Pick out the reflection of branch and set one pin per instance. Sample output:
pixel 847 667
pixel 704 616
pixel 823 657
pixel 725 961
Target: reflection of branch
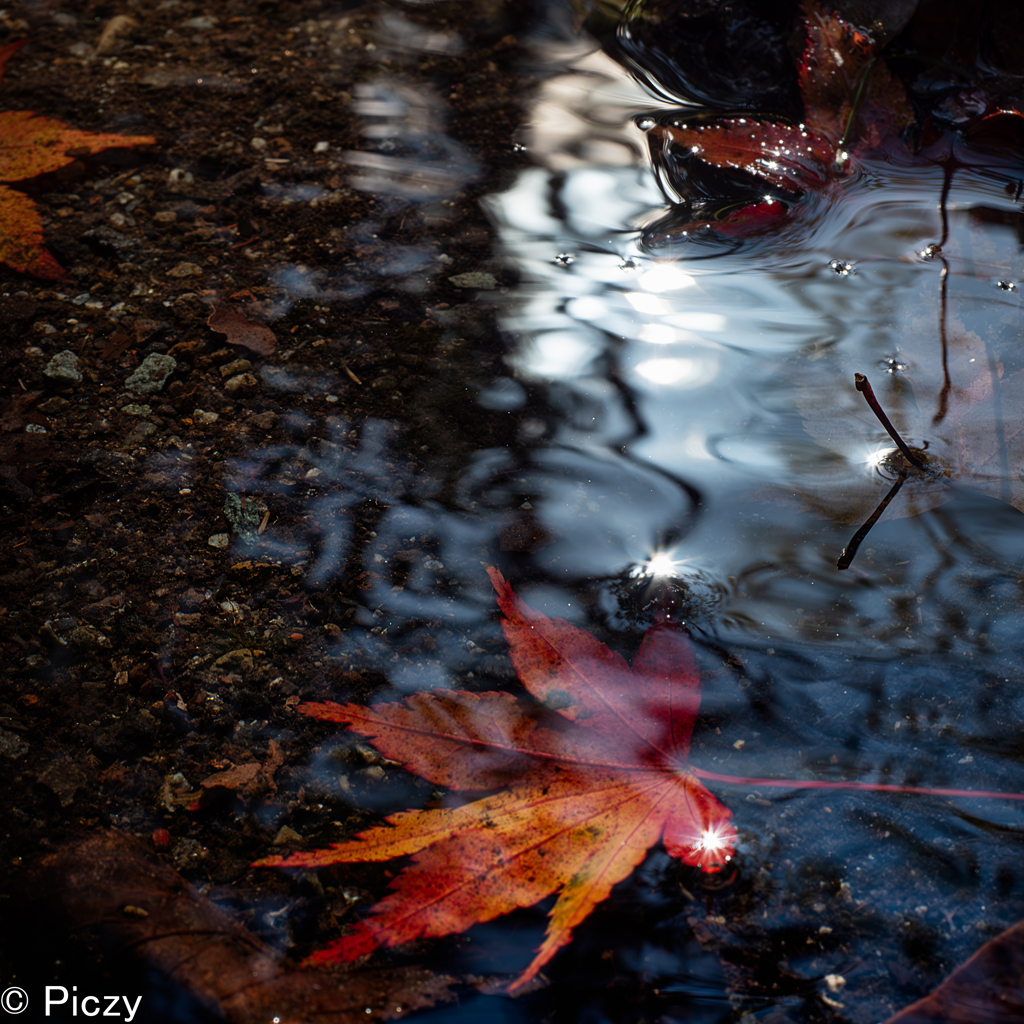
pixel 850 551
pixel 947 384
pixel 863 385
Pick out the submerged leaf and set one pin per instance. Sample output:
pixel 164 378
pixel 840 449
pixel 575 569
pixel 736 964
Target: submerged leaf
pixel 853 105
pixel 590 778
pixel 788 157
pixel 986 989
pixel 110 885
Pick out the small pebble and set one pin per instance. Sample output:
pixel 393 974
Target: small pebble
pixel 238 366
pixel 285 834
pixel 53 406
pixel 219 540
pixel 152 373
pixel 63 368
pixel 475 279
pixel 241 384
pixel 185 270
pixel 264 420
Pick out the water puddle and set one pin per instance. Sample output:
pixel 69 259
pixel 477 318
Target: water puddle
pixel 611 418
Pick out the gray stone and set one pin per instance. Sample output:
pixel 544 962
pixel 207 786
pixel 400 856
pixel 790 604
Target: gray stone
pixel 152 373
pixel 241 384
pixel 63 368
pixel 139 434
pixel 12 745
pixel 245 516
pixel 53 406
pixel 475 279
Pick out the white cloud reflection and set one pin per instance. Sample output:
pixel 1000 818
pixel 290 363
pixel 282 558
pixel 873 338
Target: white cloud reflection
pixel 665 277
pixel 679 372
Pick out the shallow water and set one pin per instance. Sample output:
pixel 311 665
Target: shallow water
pixel 696 408
pixel 702 412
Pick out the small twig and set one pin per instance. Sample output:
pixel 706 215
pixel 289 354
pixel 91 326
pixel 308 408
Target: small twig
pixel 848 129
pixel 864 387
pixel 850 551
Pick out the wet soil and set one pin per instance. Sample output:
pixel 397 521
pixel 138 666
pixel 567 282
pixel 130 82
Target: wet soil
pixel 170 578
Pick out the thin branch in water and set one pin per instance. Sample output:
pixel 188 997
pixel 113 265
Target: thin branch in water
pixel 850 551
pixel 863 385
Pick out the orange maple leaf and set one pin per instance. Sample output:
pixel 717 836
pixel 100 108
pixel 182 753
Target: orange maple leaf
pixel 29 146
pixel 586 781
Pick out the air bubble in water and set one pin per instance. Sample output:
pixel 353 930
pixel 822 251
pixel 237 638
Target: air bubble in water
pixel 645 124
pixel 930 252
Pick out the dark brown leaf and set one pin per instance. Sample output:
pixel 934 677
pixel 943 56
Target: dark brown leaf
pixel 256 337
pixel 788 157
pixel 987 989
pixel 210 955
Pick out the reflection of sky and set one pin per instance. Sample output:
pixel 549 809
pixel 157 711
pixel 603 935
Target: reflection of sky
pixel 732 373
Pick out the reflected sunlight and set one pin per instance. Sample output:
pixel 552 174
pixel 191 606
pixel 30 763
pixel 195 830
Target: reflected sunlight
pixel 714 840
pixel 644 303
pixel 666 277
pixel 873 457
pixel 679 372
pixel 661 334
pixel 659 564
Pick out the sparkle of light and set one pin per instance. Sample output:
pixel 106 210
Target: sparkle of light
pixel 874 457
pixel 660 563
pixel 712 840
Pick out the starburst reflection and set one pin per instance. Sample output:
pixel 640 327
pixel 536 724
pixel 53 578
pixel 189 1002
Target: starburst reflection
pixel 714 840
pixel 872 457
pixel 659 564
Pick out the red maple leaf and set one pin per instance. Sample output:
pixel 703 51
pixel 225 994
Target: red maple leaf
pixel 29 146
pixel 586 778
pixel 853 105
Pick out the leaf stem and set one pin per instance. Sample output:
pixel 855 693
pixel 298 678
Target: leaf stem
pixel 863 385
pixel 878 787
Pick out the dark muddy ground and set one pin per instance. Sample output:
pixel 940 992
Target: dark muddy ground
pixel 143 660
